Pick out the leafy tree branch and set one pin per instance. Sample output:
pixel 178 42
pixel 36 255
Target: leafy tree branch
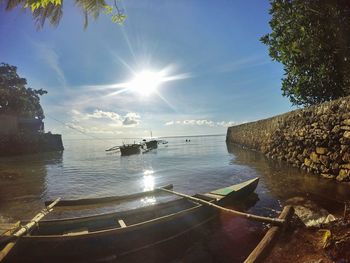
pixel 311 38
pixel 52 10
pixel 15 97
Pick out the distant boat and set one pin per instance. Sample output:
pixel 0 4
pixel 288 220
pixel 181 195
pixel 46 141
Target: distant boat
pixel 129 149
pixel 152 144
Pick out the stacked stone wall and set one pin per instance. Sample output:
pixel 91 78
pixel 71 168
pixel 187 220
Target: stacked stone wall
pixel 316 139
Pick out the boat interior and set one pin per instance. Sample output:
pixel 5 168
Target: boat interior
pixel 84 225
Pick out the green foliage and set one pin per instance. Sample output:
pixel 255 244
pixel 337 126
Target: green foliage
pixel 311 38
pixel 51 10
pixel 34 5
pixel 15 97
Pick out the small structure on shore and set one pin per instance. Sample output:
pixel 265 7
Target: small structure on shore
pixel 19 135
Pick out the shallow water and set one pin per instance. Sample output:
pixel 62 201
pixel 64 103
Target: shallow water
pixel 205 163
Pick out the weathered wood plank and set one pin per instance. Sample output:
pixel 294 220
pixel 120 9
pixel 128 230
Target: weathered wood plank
pixel 264 247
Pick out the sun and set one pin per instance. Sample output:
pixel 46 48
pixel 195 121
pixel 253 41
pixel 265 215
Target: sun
pixel 146 82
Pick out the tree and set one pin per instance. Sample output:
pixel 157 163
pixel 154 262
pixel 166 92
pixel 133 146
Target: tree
pixel 51 10
pixel 15 97
pixel 311 38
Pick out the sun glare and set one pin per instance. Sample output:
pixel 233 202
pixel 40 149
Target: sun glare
pixel 148 180
pixel 146 82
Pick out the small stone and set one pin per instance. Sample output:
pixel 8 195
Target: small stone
pixel 336 157
pixel 344 147
pixel 344 175
pixel 346 134
pixel 346 157
pixel 307 162
pixel 328 176
pixel 345 166
pixel 336 129
pixel 346 128
pixel 346 122
pixel 314 157
pixel 300 157
pixel 321 150
pixel 324 159
pixel 344 140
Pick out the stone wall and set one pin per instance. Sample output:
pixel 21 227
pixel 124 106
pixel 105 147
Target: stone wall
pixel 30 143
pixel 316 139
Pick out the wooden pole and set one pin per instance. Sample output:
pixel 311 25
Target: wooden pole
pixel 273 221
pixel 26 228
pixel 265 245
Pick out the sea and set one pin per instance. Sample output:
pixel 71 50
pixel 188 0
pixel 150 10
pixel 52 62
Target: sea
pixel 193 164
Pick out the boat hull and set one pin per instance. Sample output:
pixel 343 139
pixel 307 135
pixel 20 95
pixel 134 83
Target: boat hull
pixel 152 144
pixel 97 237
pixel 113 244
pixel 126 150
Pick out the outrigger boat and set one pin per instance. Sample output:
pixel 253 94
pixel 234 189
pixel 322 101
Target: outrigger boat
pixel 129 149
pixel 152 144
pixel 101 200
pixel 120 233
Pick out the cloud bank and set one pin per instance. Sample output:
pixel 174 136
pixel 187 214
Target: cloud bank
pixel 201 122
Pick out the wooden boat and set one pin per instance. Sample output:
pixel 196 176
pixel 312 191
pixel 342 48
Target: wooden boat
pixel 120 233
pixel 153 144
pixel 129 149
pixel 101 200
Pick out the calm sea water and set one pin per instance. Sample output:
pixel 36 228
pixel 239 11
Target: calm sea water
pixel 205 163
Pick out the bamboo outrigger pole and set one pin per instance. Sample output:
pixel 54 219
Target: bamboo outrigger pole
pixel 24 229
pixel 264 247
pixel 273 221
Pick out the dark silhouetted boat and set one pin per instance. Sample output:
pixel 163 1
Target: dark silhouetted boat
pixel 119 234
pixel 153 144
pixel 129 149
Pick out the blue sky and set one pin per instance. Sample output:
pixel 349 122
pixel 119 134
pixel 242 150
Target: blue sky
pixel 220 73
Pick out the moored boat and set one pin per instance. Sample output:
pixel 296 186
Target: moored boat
pixel 129 149
pixel 120 233
pixel 101 200
pixel 153 144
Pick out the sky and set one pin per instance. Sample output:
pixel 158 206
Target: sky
pixel 184 67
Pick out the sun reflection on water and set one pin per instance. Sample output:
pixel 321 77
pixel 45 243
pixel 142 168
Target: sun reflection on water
pixel 149 200
pixel 148 181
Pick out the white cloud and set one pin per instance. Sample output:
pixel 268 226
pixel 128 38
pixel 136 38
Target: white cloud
pixel 75 126
pixel 100 118
pixel 92 129
pixel 201 122
pixel 131 119
pixel 226 124
pixel 169 123
pixel 99 114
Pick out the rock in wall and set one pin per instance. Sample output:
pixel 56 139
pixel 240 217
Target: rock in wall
pixel 316 138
